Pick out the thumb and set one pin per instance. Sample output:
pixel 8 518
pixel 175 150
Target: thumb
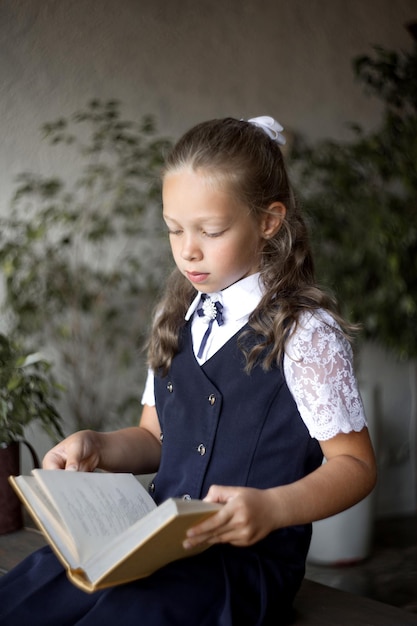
pixel 71 466
pixel 73 455
pixel 218 493
pixel 54 460
pixel 65 455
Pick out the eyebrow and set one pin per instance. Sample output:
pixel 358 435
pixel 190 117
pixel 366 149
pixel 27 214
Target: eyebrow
pixel 204 220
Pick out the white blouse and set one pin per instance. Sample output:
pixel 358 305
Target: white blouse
pixel 318 363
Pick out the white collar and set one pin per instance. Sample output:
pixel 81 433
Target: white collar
pixel 239 300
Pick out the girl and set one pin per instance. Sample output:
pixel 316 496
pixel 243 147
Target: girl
pixel 251 383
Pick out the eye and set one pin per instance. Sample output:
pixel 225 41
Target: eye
pixel 212 235
pixel 172 231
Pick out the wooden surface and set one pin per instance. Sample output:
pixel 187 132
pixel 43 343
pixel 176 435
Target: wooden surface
pixel 14 547
pixel 319 605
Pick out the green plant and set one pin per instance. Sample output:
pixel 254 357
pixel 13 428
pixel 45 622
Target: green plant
pixel 27 393
pixel 83 257
pixel 361 198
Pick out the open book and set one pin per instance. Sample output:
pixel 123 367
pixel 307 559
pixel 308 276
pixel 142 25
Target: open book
pixel 105 528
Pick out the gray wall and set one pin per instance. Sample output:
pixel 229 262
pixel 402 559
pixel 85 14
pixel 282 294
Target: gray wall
pixel 185 61
pixel 190 60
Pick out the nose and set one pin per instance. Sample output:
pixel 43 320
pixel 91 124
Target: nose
pixel 190 250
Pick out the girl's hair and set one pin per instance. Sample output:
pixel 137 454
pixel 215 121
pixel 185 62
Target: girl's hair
pixel 245 161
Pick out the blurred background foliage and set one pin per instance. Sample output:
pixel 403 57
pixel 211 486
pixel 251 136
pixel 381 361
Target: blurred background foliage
pixel 83 257
pixel 361 200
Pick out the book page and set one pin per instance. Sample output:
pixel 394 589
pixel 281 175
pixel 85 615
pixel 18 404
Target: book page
pixel 95 506
pixel 45 514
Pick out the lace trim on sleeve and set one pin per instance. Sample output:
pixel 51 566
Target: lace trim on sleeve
pixel 318 368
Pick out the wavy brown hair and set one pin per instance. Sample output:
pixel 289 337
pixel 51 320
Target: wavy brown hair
pixel 250 165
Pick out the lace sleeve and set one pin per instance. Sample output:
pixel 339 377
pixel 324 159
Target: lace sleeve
pixel 319 372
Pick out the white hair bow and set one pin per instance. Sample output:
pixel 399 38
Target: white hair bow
pixel 270 126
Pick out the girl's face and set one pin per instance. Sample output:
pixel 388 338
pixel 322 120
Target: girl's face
pixel 214 239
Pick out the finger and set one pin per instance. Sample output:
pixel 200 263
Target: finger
pixel 78 457
pixel 206 531
pixel 218 493
pixel 72 465
pixel 211 525
pixel 53 460
pixel 227 537
pixel 66 455
pixel 224 536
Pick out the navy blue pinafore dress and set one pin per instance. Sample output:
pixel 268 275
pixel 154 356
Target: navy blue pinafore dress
pixel 218 426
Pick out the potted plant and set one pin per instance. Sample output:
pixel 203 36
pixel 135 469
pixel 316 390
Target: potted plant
pixel 361 199
pixel 83 255
pixel 27 394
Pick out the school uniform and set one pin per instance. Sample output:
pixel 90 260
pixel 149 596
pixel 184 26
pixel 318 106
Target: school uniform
pixel 218 426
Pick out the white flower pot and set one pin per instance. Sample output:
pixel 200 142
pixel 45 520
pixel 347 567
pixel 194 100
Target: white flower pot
pixel 346 538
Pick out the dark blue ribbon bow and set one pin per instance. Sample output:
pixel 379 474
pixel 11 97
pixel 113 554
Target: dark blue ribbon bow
pixel 211 313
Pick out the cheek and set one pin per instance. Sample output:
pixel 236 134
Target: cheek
pixel 251 245
pixel 237 256
pixel 173 243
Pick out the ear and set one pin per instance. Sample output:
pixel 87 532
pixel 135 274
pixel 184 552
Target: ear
pixel 272 219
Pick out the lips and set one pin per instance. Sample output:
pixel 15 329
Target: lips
pixel 196 277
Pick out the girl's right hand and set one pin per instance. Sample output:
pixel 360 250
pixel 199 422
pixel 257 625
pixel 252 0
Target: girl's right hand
pixel 135 449
pixel 78 452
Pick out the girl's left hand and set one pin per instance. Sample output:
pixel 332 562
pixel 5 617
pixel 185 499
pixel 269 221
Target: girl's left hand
pixel 244 519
